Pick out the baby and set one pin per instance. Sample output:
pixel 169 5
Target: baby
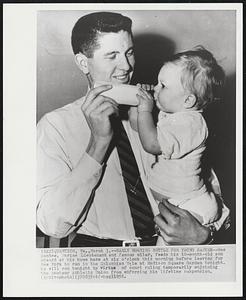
pixel 187 83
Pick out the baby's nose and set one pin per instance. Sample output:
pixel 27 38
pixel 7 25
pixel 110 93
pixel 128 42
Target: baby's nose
pixel 156 88
pixel 156 91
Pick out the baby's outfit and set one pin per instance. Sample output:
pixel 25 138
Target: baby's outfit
pixel 177 172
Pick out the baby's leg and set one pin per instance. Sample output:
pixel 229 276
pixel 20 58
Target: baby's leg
pixel 204 208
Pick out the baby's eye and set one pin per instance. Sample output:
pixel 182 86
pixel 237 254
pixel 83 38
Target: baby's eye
pixel 162 85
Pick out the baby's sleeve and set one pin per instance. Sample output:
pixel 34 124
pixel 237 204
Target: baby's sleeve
pixel 181 135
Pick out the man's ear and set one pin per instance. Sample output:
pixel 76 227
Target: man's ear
pixel 82 62
pixel 190 101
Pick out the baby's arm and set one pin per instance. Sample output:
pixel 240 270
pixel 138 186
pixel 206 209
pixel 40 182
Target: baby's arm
pixel 133 111
pixel 133 117
pixel 146 127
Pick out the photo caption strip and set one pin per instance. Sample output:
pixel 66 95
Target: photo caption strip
pixel 139 264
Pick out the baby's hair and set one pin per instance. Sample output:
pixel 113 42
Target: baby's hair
pixel 201 74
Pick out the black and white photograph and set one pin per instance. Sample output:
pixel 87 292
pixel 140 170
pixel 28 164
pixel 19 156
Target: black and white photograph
pixel 88 179
pixel 135 149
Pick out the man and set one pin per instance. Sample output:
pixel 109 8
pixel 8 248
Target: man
pixel 83 182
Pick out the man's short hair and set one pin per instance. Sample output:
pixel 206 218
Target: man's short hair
pixel 87 29
pixel 201 74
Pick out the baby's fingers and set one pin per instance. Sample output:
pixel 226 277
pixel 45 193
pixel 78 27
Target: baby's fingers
pixel 141 99
pixel 145 94
pixel 146 86
pixel 141 96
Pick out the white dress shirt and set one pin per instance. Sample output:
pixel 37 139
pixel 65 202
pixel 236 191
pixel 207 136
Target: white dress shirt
pixel 66 175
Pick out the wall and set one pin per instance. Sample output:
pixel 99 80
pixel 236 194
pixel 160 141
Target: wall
pixel 157 34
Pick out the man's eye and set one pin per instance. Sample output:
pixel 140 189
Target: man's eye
pixel 112 56
pixel 162 85
pixel 130 53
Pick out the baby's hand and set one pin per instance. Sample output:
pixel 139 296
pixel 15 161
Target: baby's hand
pixel 146 86
pixel 145 101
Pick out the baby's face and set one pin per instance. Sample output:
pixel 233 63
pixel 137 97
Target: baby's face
pixel 169 93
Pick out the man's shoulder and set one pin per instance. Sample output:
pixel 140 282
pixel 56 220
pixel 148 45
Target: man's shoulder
pixel 66 114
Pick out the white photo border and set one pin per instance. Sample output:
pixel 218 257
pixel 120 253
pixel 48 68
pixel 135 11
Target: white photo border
pixel 21 258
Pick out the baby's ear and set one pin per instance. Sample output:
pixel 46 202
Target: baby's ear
pixel 190 101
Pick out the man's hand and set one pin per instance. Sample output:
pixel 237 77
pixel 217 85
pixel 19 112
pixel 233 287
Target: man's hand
pixel 178 227
pixel 97 109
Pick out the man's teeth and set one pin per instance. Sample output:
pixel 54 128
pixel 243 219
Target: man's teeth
pixel 121 77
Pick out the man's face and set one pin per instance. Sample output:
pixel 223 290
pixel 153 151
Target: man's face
pixel 114 60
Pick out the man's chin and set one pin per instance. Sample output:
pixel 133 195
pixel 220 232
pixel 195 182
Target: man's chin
pixel 127 81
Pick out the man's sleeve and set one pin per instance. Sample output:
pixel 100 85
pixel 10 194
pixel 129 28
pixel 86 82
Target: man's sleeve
pixel 62 190
pixel 224 231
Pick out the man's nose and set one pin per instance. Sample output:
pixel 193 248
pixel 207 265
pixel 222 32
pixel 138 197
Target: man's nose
pixel 124 64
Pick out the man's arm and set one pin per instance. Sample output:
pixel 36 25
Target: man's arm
pixel 63 191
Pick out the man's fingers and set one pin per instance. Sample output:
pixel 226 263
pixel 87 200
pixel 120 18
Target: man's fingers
pixel 166 238
pixel 109 111
pixel 96 102
pixel 93 93
pixel 170 216
pixel 164 229
pixel 174 209
pixel 160 221
pixel 98 90
pixel 102 107
pixel 100 100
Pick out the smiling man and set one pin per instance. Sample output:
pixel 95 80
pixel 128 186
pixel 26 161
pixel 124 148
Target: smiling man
pixel 90 177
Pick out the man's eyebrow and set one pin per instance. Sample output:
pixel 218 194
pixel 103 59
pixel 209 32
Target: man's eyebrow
pixel 130 49
pixel 116 52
